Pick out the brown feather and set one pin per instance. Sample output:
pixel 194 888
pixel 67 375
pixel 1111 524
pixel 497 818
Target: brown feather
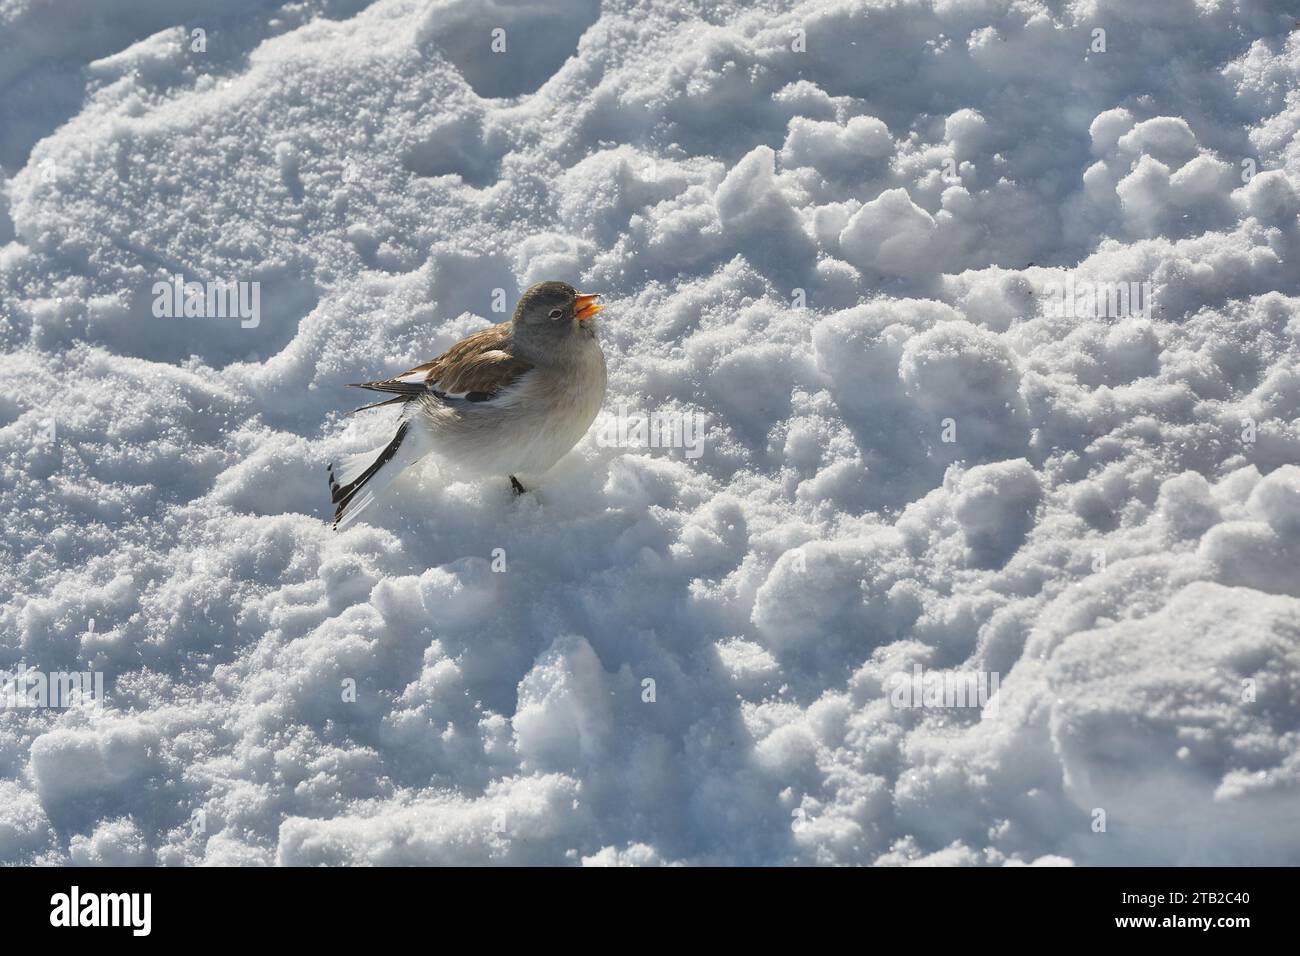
pixel 483 363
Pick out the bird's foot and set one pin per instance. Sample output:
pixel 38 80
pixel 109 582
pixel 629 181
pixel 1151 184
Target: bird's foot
pixel 514 483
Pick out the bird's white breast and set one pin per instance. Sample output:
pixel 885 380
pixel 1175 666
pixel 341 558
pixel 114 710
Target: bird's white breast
pixel 529 430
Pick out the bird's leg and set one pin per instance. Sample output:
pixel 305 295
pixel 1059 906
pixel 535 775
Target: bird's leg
pixel 514 483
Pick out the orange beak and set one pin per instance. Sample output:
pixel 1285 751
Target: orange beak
pixel 586 306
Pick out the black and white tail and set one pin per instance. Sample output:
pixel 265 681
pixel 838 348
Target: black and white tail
pixel 359 479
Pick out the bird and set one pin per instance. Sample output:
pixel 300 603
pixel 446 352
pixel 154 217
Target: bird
pixel 509 400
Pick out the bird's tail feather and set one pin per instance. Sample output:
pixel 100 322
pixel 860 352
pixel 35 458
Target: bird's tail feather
pixel 389 401
pixel 358 480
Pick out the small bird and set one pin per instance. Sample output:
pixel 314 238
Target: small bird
pixel 509 400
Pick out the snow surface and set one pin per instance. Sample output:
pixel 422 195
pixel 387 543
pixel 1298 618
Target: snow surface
pixel 826 228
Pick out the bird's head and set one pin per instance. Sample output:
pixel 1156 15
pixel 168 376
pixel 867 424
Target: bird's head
pixel 554 312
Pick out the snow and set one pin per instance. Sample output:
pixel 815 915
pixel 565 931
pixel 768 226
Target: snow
pixel 829 232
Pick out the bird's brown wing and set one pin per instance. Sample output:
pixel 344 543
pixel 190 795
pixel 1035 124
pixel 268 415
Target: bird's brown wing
pixel 476 369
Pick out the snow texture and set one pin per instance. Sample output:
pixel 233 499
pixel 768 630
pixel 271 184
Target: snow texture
pixel 829 229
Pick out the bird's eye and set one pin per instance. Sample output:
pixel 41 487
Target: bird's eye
pixel 556 313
